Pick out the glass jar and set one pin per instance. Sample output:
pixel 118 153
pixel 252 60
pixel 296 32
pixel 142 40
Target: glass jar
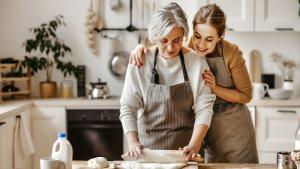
pixel 66 89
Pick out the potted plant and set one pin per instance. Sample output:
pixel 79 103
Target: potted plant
pixel 287 70
pixel 46 51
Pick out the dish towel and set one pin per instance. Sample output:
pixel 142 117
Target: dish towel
pixel 23 144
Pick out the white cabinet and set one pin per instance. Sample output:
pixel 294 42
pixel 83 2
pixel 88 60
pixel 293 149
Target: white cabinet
pixel 46 123
pixel 7 131
pixel 275 131
pixel 260 15
pixel 6 142
pixel 276 15
pixel 239 13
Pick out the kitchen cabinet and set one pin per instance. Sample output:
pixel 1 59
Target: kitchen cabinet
pixel 47 122
pixel 6 142
pixel 275 131
pixel 7 130
pixel 277 15
pixel 239 13
pixel 260 15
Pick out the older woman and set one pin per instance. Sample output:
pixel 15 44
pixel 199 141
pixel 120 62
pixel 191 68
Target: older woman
pixel 177 105
pixel 231 136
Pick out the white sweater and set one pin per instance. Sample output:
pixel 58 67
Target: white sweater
pixel 170 72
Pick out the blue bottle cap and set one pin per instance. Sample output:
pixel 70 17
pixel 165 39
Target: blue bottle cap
pixel 62 135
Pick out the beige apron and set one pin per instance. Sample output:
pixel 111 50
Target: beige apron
pixel 168 118
pixel 231 136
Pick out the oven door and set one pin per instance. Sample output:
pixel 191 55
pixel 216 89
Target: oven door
pixel 95 138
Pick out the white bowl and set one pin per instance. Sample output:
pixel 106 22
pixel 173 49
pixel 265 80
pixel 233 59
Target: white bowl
pixel 280 93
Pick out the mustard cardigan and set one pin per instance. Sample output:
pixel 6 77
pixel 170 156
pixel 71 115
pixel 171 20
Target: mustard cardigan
pixel 235 65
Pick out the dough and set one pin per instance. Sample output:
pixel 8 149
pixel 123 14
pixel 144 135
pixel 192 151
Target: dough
pixel 98 163
pixel 135 165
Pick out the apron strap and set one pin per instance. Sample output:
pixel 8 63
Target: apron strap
pixel 185 75
pixel 155 76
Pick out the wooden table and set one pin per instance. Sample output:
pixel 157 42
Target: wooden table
pixel 209 166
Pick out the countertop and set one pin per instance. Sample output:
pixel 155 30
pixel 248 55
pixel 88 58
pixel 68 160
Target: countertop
pixel 9 108
pixel 212 165
pixel 271 102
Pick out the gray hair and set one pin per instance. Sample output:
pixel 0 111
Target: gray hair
pixel 163 21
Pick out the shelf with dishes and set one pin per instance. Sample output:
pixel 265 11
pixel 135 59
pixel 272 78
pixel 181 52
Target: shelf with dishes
pixel 10 77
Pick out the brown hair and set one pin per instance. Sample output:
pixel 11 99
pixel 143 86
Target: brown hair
pixel 213 15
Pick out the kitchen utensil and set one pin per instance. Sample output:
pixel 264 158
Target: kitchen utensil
pixel 259 90
pixel 99 23
pixel 114 4
pixel 255 66
pixel 98 89
pixel 49 163
pixel 280 93
pixel 162 156
pixel 119 63
pixel 284 160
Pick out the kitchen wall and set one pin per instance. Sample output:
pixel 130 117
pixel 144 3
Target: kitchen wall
pixel 16 17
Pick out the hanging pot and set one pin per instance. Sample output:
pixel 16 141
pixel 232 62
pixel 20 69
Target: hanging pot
pixel 119 63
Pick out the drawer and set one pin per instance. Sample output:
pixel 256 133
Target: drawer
pixel 276 128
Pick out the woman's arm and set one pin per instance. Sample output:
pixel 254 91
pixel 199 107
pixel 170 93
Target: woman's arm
pixel 242 93
pixel 137 55
pixel 195 143
pixel 131 100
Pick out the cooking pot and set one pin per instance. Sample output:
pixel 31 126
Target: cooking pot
pixel 119 63
pixel 98 90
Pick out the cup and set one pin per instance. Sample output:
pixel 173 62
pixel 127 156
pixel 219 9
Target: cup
pixel 259 90
pixel 49 163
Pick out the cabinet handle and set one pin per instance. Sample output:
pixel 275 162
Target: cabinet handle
pixel 229 29
pixel 286 111
pixel 2 123
pixel 284 29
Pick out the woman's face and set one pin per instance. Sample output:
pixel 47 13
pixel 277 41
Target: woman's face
pixel 205 38
pixel 170 45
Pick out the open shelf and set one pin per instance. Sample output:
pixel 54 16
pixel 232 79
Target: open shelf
pixel 24 92
pixel 9 79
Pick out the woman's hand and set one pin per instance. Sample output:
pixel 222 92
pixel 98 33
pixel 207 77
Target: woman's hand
pixel 210 79
pixel 137 55
pixel 190 152
pixel 135 149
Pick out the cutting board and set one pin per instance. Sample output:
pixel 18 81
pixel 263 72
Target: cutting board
pixel 255 66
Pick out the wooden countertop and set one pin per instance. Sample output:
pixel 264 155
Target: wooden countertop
pixel 211 165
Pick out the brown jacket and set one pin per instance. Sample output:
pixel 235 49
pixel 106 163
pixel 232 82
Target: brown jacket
pixel 238 72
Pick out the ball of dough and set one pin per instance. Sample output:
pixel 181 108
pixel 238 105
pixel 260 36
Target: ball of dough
pixel 98 162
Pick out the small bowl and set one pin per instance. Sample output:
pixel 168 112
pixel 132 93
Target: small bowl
pixel 280 93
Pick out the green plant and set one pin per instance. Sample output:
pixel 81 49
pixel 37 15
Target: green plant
pixel 46 50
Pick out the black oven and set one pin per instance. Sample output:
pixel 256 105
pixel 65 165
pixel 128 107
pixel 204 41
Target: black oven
pixel 95 133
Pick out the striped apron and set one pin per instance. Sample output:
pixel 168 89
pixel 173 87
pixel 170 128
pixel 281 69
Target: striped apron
pixel 168 118
pixel 231 136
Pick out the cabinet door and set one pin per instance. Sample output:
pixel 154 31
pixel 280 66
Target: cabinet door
pixel 6 143
pixel 276 128
pixel 240 14
pixel 275 131
pixel 276 15
pixel 46 123
pixel 2 135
